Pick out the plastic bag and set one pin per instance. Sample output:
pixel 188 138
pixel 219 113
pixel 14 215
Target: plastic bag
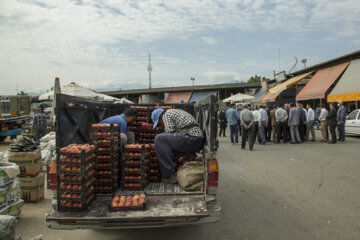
pixel 46 155
pixel 48 137
pixel 7 227
pixel 51 145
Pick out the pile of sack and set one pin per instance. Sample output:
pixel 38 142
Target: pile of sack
pixel 10 202
pixel 48 147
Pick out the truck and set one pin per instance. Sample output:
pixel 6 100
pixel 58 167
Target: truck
pixel 169 204
pixel 14 114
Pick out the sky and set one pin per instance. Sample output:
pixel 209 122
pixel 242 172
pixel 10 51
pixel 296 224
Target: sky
pixel 104 45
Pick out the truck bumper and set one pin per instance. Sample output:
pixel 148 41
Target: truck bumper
pixel 214 210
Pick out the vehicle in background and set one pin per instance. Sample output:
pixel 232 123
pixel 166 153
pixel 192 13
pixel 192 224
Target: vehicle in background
pixel 352 123
pixel 14 114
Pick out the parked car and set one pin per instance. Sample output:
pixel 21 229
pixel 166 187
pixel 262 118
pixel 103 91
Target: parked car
pixel 352 124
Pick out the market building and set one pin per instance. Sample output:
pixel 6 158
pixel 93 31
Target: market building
pixel 330 81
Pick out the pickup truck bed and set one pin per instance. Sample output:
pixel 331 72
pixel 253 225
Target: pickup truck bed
pixel 168 204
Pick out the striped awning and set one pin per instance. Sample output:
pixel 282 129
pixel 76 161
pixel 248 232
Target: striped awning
pixel 348 87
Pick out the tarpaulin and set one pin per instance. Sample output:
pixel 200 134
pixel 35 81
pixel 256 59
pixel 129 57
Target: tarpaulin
pixel 320 83
pixel 288 83
pixel 179 97
pixel 197 96
pixel 348 87
pixel 259 96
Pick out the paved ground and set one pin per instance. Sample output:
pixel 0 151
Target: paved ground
pixel 306 191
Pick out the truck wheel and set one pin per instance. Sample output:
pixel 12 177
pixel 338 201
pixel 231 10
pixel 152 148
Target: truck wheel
pixel 2 138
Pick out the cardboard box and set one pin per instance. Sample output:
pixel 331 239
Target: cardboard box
pixel 28 162
pixel 32 188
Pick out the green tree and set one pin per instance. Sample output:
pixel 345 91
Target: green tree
pixel 257 78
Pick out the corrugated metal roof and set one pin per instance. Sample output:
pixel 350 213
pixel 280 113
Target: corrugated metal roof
pixel 178 97
pixel 323 79
pixel 348 87
pixel 197 96
pixel 185 88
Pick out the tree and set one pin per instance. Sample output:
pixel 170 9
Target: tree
pixel 257 78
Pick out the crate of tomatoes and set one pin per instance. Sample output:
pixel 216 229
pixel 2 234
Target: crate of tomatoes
pixel 128 202
pixel 76 177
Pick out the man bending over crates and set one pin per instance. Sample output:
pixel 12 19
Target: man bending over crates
pixel 128 116
pixel 182 135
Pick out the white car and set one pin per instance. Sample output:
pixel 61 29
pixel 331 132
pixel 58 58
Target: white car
pixel 352 123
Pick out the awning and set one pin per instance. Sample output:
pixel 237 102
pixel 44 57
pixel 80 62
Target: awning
pixel 348 87
pixel 270 97
pixel 259 96
pixel 323 79
pixel 288 83
pixel 286 96
pixel 239 97
pixel 197 96
pixel 179 97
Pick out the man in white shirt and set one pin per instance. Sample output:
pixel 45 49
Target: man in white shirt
pixel 256 124
pixel 281 124
pixel 310 123
pixel 322 119
pixel 263 121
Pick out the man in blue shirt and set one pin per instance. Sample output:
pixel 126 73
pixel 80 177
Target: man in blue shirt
pixel 232 118
pixel 128 116
pixel 341 117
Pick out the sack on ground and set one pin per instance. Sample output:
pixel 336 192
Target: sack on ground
pixel 191 176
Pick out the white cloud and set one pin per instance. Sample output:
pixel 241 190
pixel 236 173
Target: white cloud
pixel 97 41
pixel 209 40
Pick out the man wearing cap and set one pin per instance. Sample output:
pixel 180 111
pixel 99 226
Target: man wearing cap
pixel 128 116
pixel 182 135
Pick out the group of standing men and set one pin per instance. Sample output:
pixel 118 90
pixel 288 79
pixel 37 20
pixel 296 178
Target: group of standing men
pixel 289 123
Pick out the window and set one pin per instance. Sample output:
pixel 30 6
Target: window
pixel 358 117
pixel 352 116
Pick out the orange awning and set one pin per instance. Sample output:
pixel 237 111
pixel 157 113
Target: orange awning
pixel 177 98
pixel 270 97
pixel 323 79
pixel 348 87
pixel 288 83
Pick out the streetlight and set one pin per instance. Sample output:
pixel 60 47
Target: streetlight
pixel 193 80
pixel 304 62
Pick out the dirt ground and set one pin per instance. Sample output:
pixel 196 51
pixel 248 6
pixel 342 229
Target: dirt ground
pixel 305 191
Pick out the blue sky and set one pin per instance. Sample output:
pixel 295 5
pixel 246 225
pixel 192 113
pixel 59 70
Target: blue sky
pixel 104 45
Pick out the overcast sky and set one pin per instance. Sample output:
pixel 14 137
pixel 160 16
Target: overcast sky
pixel 104 45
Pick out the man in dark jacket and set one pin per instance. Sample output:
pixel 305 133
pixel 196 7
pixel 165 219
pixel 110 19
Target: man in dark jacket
pixel 222 122
pixel 332 122
pixel 302 122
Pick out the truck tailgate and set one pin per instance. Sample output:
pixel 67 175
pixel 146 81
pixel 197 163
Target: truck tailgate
pixel 161 210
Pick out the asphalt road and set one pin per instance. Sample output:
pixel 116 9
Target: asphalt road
pixel 305 191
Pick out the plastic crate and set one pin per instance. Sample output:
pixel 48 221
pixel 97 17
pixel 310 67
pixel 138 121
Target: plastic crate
pixel 141 207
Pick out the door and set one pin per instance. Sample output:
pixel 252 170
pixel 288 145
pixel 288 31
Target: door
pixel 350 122
pixel 357 124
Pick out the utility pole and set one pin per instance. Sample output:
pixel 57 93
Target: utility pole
pixel 149 68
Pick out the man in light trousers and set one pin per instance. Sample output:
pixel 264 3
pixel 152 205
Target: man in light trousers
pixel 294 124
pixel 310 123
pixel 263 121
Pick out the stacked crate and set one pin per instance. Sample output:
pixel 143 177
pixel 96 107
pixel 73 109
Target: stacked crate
pixel 76 177
pixel 154 166
pixel 107 139
pixel 135 167
pixel 147 133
